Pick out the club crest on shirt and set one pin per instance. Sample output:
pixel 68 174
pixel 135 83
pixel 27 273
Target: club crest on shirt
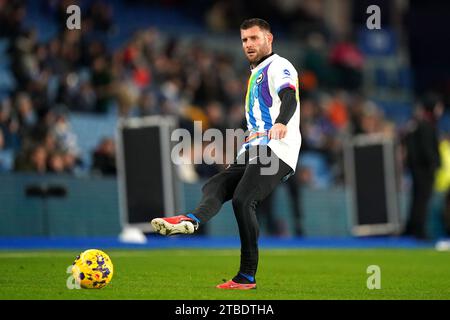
pixel 260 78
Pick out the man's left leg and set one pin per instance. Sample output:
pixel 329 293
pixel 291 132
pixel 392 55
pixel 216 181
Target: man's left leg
pixel 252 189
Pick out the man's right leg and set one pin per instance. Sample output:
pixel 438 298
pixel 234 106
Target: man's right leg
pixel 216 191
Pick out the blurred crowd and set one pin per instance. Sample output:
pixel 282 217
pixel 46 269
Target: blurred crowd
pixel 51 82
pixel 155 74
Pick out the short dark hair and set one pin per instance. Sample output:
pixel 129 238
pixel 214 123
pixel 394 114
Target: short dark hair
pixel 249 23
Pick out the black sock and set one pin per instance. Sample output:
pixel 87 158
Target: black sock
pixel 244 278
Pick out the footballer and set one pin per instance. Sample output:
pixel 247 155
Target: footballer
pixel 272 111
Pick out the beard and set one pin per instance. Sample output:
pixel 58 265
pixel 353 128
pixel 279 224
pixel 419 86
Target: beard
pixel 257 55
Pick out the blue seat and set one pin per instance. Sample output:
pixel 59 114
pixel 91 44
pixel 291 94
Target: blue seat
pixel 6 160
pixel 405 78
pixel 4 44
pixel 316 162
pixel 7 81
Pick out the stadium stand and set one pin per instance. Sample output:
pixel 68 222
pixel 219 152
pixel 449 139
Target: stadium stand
pixel 66 90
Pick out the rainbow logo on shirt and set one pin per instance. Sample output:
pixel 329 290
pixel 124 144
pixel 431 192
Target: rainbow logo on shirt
pixel 258 89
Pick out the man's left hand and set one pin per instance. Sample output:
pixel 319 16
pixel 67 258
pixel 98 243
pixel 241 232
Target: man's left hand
pixel 278 131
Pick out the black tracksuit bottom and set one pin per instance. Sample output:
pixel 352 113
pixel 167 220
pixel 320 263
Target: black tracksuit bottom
pixel 246 184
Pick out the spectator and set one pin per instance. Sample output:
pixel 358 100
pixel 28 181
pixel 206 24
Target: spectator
pixel 442 183
pixel 85 100
pixel 12 14
pixel 347 62
pixel 56 163
pixel 216 117
pixel 104 158
pixel 66 139
pixel 9 126
pixel 26 114
pixel 148 104
pixel 34 161
pixel 423 160
pixel 71 162
pixel 101 13
pixel 336 111
pixel 101 81
pixel 315 63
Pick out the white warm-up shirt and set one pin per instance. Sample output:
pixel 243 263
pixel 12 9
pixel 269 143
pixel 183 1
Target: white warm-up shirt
pixel 262 107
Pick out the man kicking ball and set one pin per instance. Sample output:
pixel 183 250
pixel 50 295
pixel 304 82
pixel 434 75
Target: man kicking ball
pixel 272 111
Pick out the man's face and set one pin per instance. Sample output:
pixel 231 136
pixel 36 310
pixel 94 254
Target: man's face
pixel 256 43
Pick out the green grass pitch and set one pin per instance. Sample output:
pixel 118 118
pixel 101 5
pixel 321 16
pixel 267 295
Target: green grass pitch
pixel 192 274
